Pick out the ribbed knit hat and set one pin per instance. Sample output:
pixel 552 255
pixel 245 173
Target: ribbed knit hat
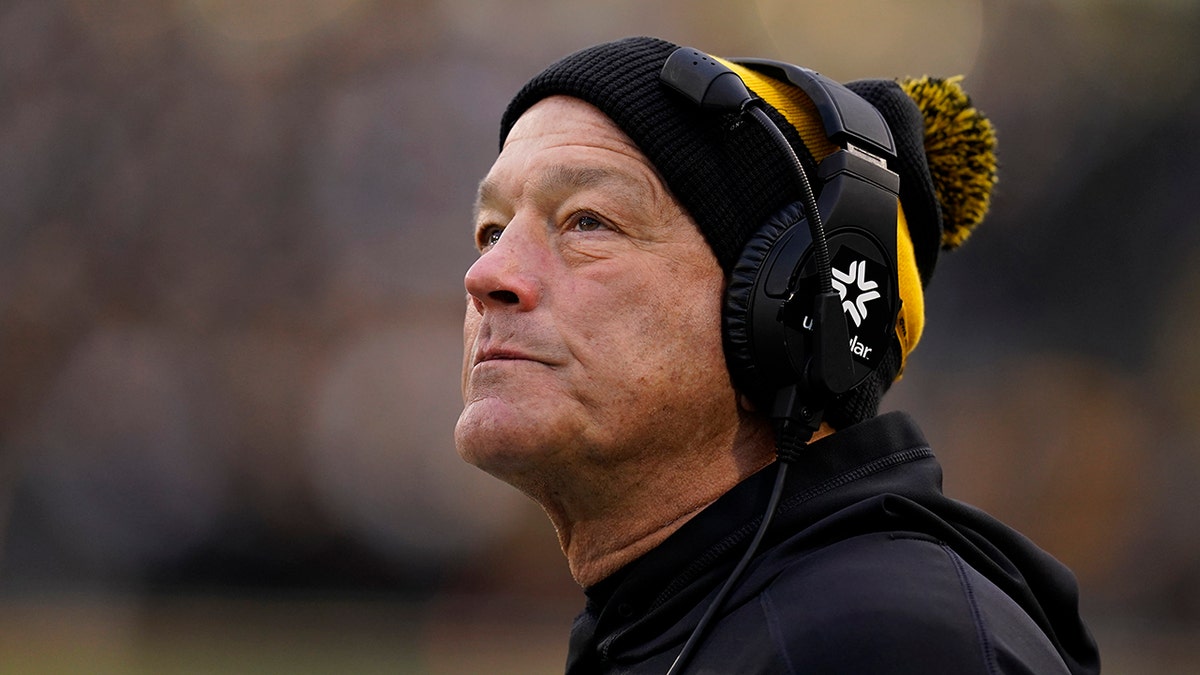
pixel 731 177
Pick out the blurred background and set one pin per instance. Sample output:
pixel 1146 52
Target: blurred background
pixel 232 239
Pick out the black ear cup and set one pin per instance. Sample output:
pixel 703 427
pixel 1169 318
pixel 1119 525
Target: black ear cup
pixel 747 368
pixel 771 328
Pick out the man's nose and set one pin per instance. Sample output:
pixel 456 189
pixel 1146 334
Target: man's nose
pixel 507 275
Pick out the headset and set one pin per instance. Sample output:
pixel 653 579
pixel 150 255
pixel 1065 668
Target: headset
pixel 811 305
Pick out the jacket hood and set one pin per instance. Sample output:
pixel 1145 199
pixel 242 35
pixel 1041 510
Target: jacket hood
pixel 878 476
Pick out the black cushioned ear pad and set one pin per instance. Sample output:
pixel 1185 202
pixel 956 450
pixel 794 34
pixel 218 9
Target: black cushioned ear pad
pixel 739 349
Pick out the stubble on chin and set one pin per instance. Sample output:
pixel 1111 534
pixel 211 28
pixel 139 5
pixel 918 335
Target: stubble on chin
pixel 493 436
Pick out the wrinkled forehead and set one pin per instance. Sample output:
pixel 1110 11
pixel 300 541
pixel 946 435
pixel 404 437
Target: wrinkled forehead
pixel 566 115
pixel 566 143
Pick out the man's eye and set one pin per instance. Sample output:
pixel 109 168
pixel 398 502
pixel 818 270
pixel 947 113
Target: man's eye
pixel 586 223
pixel 488 236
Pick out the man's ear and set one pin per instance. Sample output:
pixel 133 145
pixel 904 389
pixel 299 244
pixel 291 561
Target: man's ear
pixel 745 404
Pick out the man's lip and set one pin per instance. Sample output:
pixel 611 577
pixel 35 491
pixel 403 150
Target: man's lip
pixel 503 355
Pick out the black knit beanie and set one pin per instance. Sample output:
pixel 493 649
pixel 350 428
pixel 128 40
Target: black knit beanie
pixel 731 177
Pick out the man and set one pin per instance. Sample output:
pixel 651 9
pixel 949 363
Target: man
pixel 600 379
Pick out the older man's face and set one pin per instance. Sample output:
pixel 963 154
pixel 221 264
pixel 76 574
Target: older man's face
pixel 592 332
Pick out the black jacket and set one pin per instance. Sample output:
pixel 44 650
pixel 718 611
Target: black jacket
pixel 867 568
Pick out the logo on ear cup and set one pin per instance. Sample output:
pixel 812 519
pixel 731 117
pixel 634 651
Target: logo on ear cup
pixel 865 290
pixel 861 280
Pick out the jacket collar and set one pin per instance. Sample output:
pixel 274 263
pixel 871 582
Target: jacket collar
pixel 656 591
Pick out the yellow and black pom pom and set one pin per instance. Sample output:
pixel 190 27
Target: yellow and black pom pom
pixel 960 144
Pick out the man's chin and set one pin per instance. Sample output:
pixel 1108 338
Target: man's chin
pixel 522 468
pixel 501 444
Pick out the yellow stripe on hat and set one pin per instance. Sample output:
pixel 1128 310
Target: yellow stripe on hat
pixel 910 323
pixel 793 104
pixel 801 113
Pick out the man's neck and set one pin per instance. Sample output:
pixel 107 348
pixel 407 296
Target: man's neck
pixel 644 505
pixel 598 547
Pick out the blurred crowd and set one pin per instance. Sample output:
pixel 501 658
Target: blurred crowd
pixel 232 238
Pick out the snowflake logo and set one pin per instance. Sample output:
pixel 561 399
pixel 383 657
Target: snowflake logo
pixel 856 275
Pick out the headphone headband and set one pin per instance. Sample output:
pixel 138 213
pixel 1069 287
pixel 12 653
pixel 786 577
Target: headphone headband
pixel 847 117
